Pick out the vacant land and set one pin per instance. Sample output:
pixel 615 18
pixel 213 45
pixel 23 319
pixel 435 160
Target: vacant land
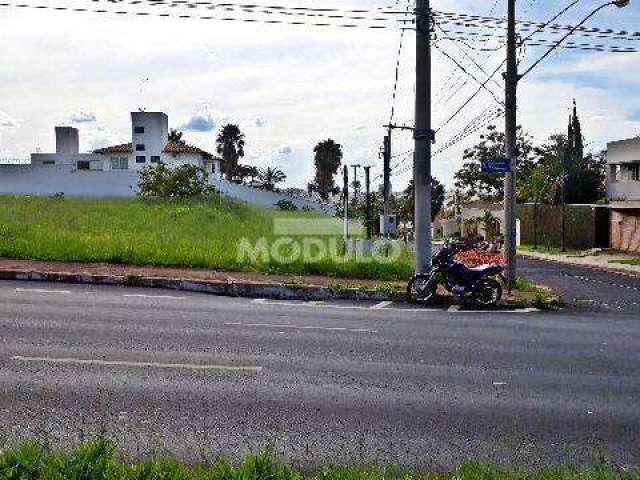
pixel 175 234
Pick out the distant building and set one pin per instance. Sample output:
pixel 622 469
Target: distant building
pixel 149 145
pixel 623 190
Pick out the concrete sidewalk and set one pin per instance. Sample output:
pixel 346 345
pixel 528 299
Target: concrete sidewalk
pixel 598 260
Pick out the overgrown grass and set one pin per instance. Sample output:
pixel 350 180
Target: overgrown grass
pixel 96 460
pixel 543 298
pixel 176 234
pixel 630 261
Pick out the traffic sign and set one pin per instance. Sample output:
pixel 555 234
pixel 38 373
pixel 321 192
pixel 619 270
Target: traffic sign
pixel 496 165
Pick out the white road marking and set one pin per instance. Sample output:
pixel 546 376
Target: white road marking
pixel 123 363
pixel 499 384
pixel 380 306
pixel 41 290
pixel 300 327
pixel 166 297
pixel 263 301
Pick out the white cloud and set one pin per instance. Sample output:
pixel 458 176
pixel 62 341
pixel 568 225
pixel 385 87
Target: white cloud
pixel 82 116
pixel 6 121
pixel 199 123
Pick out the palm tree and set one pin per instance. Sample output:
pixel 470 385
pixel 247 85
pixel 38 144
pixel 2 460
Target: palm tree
pixel 230 143
pixel 175 136
pixel 270 177
pixel 328 157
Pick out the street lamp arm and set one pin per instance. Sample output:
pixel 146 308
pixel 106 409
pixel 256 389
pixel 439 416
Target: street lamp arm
pixel 571 32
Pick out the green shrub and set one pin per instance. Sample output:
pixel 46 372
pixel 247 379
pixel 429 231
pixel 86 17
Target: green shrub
pixel 286 205
pixel 185 181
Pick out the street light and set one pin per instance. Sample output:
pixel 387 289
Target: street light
pixel 616 3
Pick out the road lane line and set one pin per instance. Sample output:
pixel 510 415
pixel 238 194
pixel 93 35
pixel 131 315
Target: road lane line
pixel 265 302
pixel 300 327
pixel 41 290
pixel 381 305
pixel 165 297
pixel 124 363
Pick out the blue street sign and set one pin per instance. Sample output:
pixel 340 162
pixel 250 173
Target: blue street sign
pixel 496 165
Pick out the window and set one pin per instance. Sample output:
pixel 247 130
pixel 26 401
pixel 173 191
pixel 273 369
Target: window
pixel 141 159
pixel 48 162
pixel 138 130
pixel 83 165
pixel 140 147
pixel 155 159
pixel 119 163
pixel 634 171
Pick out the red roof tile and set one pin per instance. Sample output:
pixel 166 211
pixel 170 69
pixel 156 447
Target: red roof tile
pixel 173 148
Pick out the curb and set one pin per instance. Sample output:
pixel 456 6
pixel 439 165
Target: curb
pixel 619 271
pixel 212 287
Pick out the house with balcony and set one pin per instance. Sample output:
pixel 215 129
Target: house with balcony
pixel 623 190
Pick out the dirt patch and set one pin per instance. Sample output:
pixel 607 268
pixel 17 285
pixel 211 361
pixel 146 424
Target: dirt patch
pixel 184 273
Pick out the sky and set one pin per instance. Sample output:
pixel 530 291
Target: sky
pixel 288 87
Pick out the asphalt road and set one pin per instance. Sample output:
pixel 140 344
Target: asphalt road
pixel 587 289
pixel 196 375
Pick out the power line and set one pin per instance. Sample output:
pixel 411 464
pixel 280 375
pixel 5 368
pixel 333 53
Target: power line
pixel 397 76
pixel 467 72
pixel 192 16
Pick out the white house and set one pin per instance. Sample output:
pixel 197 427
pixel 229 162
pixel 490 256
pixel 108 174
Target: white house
pixel 115 171
pixel 149 145
pixel 623 190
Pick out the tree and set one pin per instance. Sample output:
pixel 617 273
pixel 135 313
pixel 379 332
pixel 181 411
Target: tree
pixel 230 145
pixel 406 205
pixel 473 183
pixel 328 157
pixel 175 136
pixel 186 181
pixel 270 177
pixel 242 172
pixel 583 177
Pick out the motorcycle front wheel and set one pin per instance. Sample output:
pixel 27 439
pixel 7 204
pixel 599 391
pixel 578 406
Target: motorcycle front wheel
pixel 422 289
pixel 487 292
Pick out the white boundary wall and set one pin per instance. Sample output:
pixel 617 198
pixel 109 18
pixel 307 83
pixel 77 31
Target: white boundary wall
pixel 49 180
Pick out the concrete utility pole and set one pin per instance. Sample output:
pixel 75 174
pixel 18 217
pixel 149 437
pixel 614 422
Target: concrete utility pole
pixel 386 187
pixel 345 200
pixel 367 187
pixel 510 144
pixel 355 181
pixel 424 136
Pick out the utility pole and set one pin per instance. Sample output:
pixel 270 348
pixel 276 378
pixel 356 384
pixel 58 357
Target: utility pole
pixel 386 208
pixel 367 186
pixel 355 181
pixel 510 143
pixel 424 136
pixel 345 200
pixel 386 188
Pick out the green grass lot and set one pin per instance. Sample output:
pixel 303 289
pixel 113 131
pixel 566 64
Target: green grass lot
pixel 176 234
pixel 96 461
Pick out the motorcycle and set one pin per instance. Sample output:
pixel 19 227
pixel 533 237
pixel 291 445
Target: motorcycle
pixel 479 284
